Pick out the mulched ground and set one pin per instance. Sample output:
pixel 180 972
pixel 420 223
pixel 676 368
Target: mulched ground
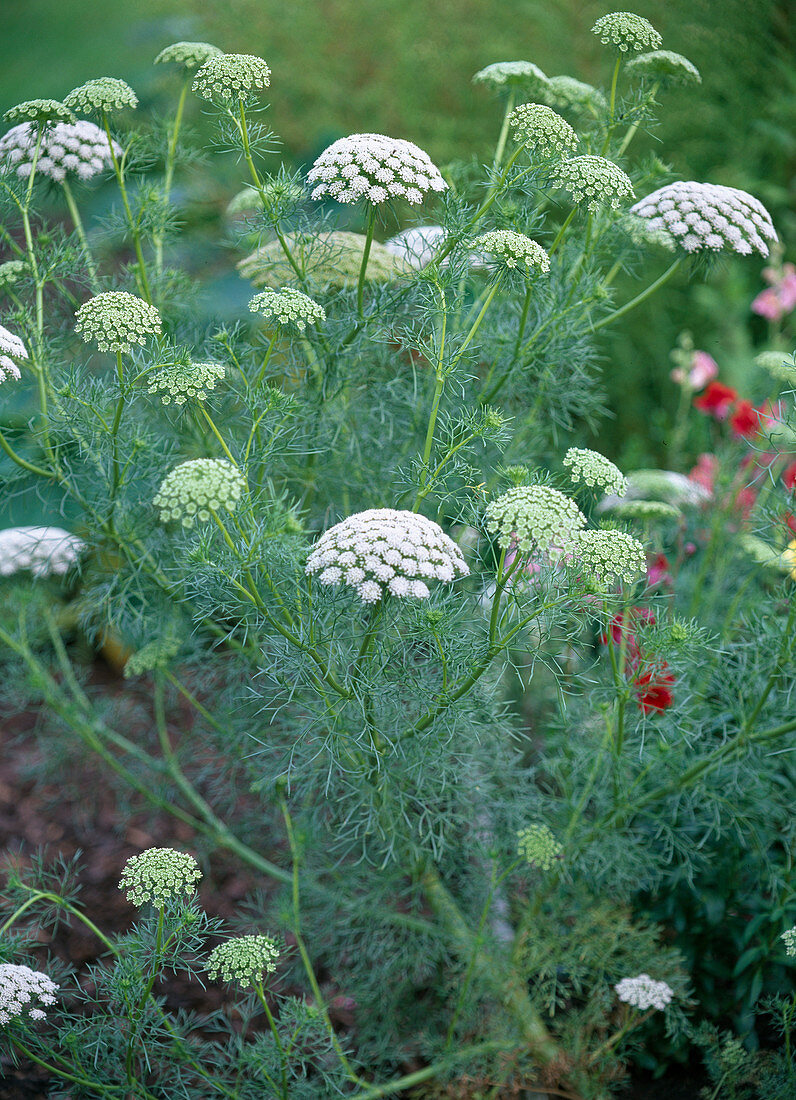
pixel 36 815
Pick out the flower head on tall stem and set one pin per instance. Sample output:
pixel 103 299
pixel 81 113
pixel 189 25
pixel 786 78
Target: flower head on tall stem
pixel 227 77
pixel 507 249
pixel 594 181
pixel 197 488
pixel 376 168
pixel 644 992
pixel 386 551
pixel 520 76
pixel 157 875
pixel 188 55
pixel 626 31
pixel 66 148
pixel 20 990
pixel 244 960
pixel 594 469
pixel 287 308
pixel 666 67
pixel 116 320
pixel 540 129
pixel 181 382
pixel 39 112
pixel 534 516
pixel 105 95
pixel 708 217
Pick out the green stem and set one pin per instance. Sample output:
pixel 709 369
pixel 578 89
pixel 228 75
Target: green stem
pixel 363 267
pixel 560 235
pixel 138 1011
pixel 611 107
pixel 135 232
pixel 504 132
pixel 96 1086
pixel 266 359
pixel 169 173
pixel 77 221
pixel 277 1039
pixel 432 419
pixel 23 462
pixel 632 129
pixel 216 432
pixel 373 1092
pixel 305 958
pixel 659 282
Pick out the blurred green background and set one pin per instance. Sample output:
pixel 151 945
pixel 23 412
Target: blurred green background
pixel 404 67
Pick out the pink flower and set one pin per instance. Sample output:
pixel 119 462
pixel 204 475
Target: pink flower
pixel 717 400
pixel 767 304
pixel 703 369
pixel 658 571
pixel 704 473
pixel 787 288
pixel 745 420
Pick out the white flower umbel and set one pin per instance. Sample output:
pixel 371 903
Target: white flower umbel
pixel 376 168
pixel 188 55
pixel 44 551
pixel 417 246
pixel 181 382
pixel 11 345
pixel 67 148
pixel 39 111
pixel 505 248
pixel 288 308
pixel 228 77
pixel 594 181
pixel 708 217
pixel 644 992
pixel 534 516
pixel 22 991
pixel 521 76
pixel 159 874
pixel 567 93
pixel 595 469
pixel 610 555
pixel 665 66
pixel 539 128
pixel 11 348
pixel 626 31
pixel 198 488
pixel 116 320
pixel 386 551
pixel 102 96
pixel 243 960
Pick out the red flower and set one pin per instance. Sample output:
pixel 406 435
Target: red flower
pixel 789 476
pixel 653 688
pixel 636 615
pixel 658 571
pixel 716 400
pixel 745 420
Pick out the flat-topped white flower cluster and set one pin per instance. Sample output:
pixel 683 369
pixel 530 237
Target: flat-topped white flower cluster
pixel 384 550
pixel 374 167
pixel 708 217
pixel 78 148
pixel 644 992
pixel 20 989
pixel 44 551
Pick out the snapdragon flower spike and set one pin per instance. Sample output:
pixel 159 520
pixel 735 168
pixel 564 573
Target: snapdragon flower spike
pixel 243 960
pixel 78 148
pixel 376 168
pixel 626 31
pixel 197 488
pixel 105 95
pixel 539 128
pixel 158 875
pixel 644 992
pixel 386 551
pixel 39 112
pixel 226 77
pixel 44 551
pixel 513 250
pixel 534 516
pixel 595 469
pixel 22 990
pixel 116 320
pixel 594 181
pixel 610 555
pixel 665 66
pixel 288 307
pixel 188 55
pixel 181 382
pixel 520 75
pixel 708 217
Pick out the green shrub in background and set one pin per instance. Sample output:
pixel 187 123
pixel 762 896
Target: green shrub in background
pixel 482 710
